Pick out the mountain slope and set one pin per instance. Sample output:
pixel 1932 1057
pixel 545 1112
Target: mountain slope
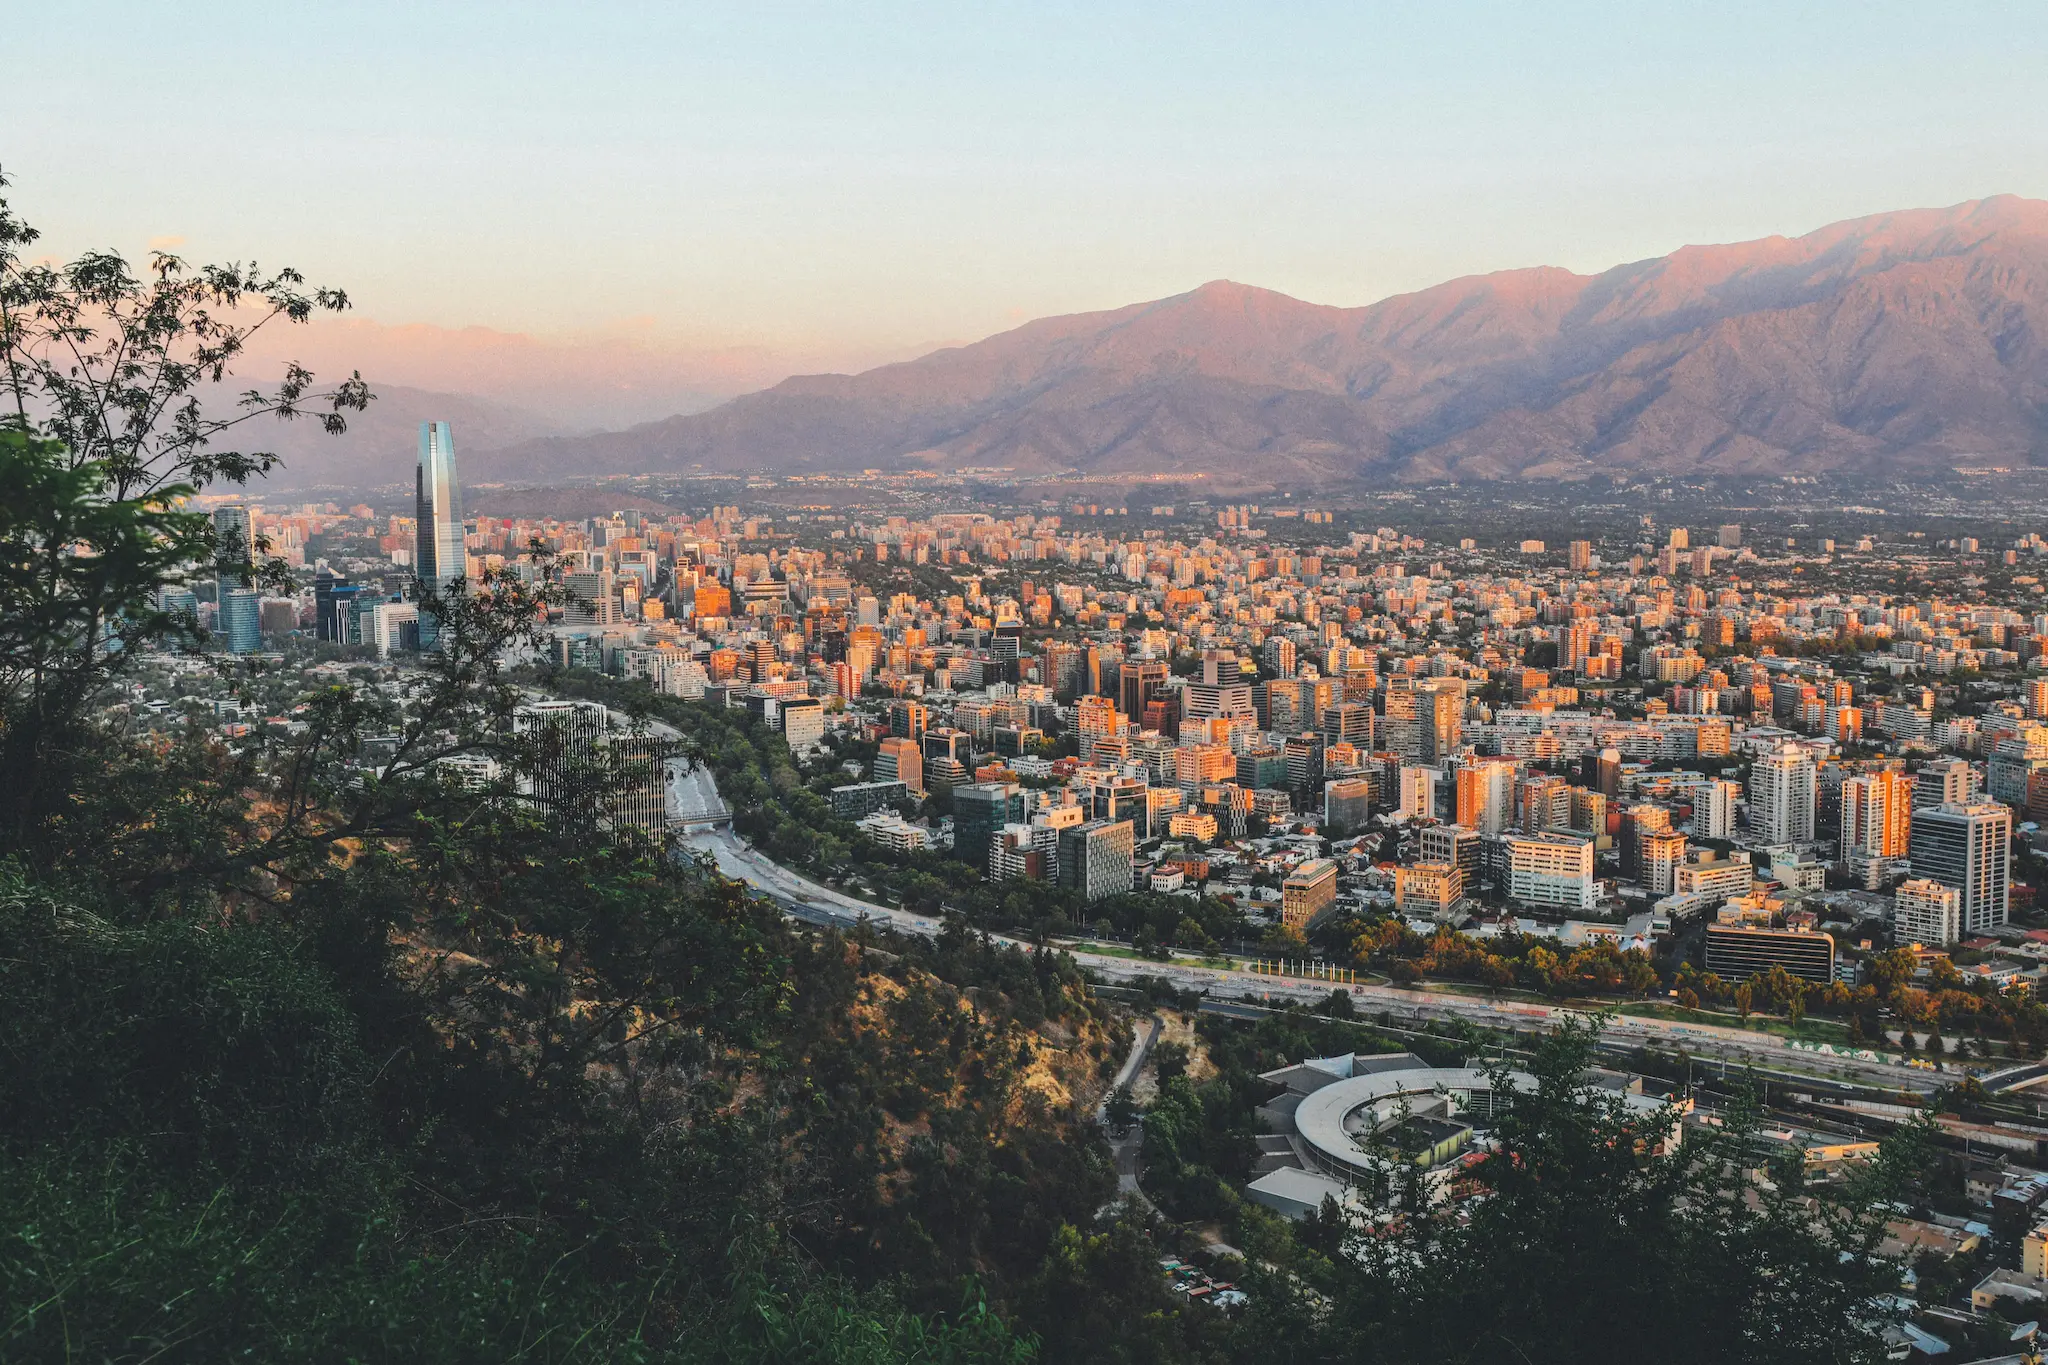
pixel 1904 339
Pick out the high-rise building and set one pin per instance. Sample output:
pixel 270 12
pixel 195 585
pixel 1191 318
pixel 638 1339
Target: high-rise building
pixel 1638 822
pixel 440 553
pixel 1486 796
pixel 1418 791
pixel 1428 889
pixel 1781 791
pixel 1348 722
pixel 1877 815
pixel 2013 761
pixel 241 620
pixel 234 550
pixel 898 760
pixel 1944 782
pixel 1096 858
pixel 1926 912
pixel 1713 810
pixel 1442 719
pixel 802 720
pixel 1550 869
pixel 909 720
pixel 1662 853
pixel 1308 895
pixel 1968 847
pixel 1347 805
pixel 559 739
pixel 978 812
pixel 1453 844
pixel 1141 681
pixel 2036 693
pixel 1579 555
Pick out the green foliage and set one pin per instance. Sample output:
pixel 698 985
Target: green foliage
pixel 1595 1243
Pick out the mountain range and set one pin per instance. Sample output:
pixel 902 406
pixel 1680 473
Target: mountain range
pixel 1910 340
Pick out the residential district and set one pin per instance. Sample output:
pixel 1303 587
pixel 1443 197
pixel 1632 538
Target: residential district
pixel 1693 764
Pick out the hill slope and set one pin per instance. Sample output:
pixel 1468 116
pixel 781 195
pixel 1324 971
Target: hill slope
pixel 1904 339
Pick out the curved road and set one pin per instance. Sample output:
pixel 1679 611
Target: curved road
pixel 693 794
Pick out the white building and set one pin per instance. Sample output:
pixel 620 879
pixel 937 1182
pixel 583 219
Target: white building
pixel 1713 810
pixel 893 832
pixel 1550 869
pixel 1969 848
pixel 1926 912
pixel 1781 791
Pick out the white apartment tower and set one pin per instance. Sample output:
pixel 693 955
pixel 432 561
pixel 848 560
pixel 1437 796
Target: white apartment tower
pixel 1781 788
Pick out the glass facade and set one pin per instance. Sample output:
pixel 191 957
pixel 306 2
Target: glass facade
pixel 439 557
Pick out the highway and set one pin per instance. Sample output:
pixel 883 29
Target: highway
pixel 694 799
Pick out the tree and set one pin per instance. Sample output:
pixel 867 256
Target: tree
pixel 104 382
pixel 115 366
pixel 1121 1112
pixel 1727 1262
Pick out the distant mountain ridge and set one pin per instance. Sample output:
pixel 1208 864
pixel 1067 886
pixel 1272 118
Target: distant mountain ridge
pixel 1900 341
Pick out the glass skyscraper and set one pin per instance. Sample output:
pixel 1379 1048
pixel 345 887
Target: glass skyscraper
pixel 439 556
pixel 236 618
pixel 240 620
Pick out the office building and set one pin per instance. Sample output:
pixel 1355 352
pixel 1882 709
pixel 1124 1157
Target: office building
pixel 1550 869
pixel 638 795
pixel 1453 844
pixel 1096 858
pixel 1926 912
pixel 440 550
pixel 559 741
pixel 241 621
pixel 898 760
pixel 1736 952
pixel 857 799
pixel 1428 889
pixel 803 722
pixel 1308 895
pixel 979 811
pixel 1968 847
pixel 234 550
pixel 1347 805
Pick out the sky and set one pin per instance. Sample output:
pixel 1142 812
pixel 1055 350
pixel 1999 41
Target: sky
pixel 830 185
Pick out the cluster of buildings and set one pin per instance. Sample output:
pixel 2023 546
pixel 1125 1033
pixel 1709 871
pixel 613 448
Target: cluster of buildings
pixel 1312 720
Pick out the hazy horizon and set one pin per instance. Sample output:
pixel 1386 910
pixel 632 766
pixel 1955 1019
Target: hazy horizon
pixel 715 200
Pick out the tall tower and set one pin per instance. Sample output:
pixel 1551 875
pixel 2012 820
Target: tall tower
pixel 439 552
pixel 1968 847
pixel 1781 786
pixel 439 555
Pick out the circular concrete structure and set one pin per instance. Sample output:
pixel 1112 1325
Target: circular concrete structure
pixel 1331 1120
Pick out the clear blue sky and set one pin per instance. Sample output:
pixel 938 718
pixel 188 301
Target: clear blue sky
pixel 889 174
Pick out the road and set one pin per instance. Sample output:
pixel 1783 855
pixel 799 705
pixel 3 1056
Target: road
pixel 694 795
pixel 1125 1149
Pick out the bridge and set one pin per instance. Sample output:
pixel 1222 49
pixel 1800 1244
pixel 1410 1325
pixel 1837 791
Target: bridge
pixel 2015 1077
pixel 703 819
